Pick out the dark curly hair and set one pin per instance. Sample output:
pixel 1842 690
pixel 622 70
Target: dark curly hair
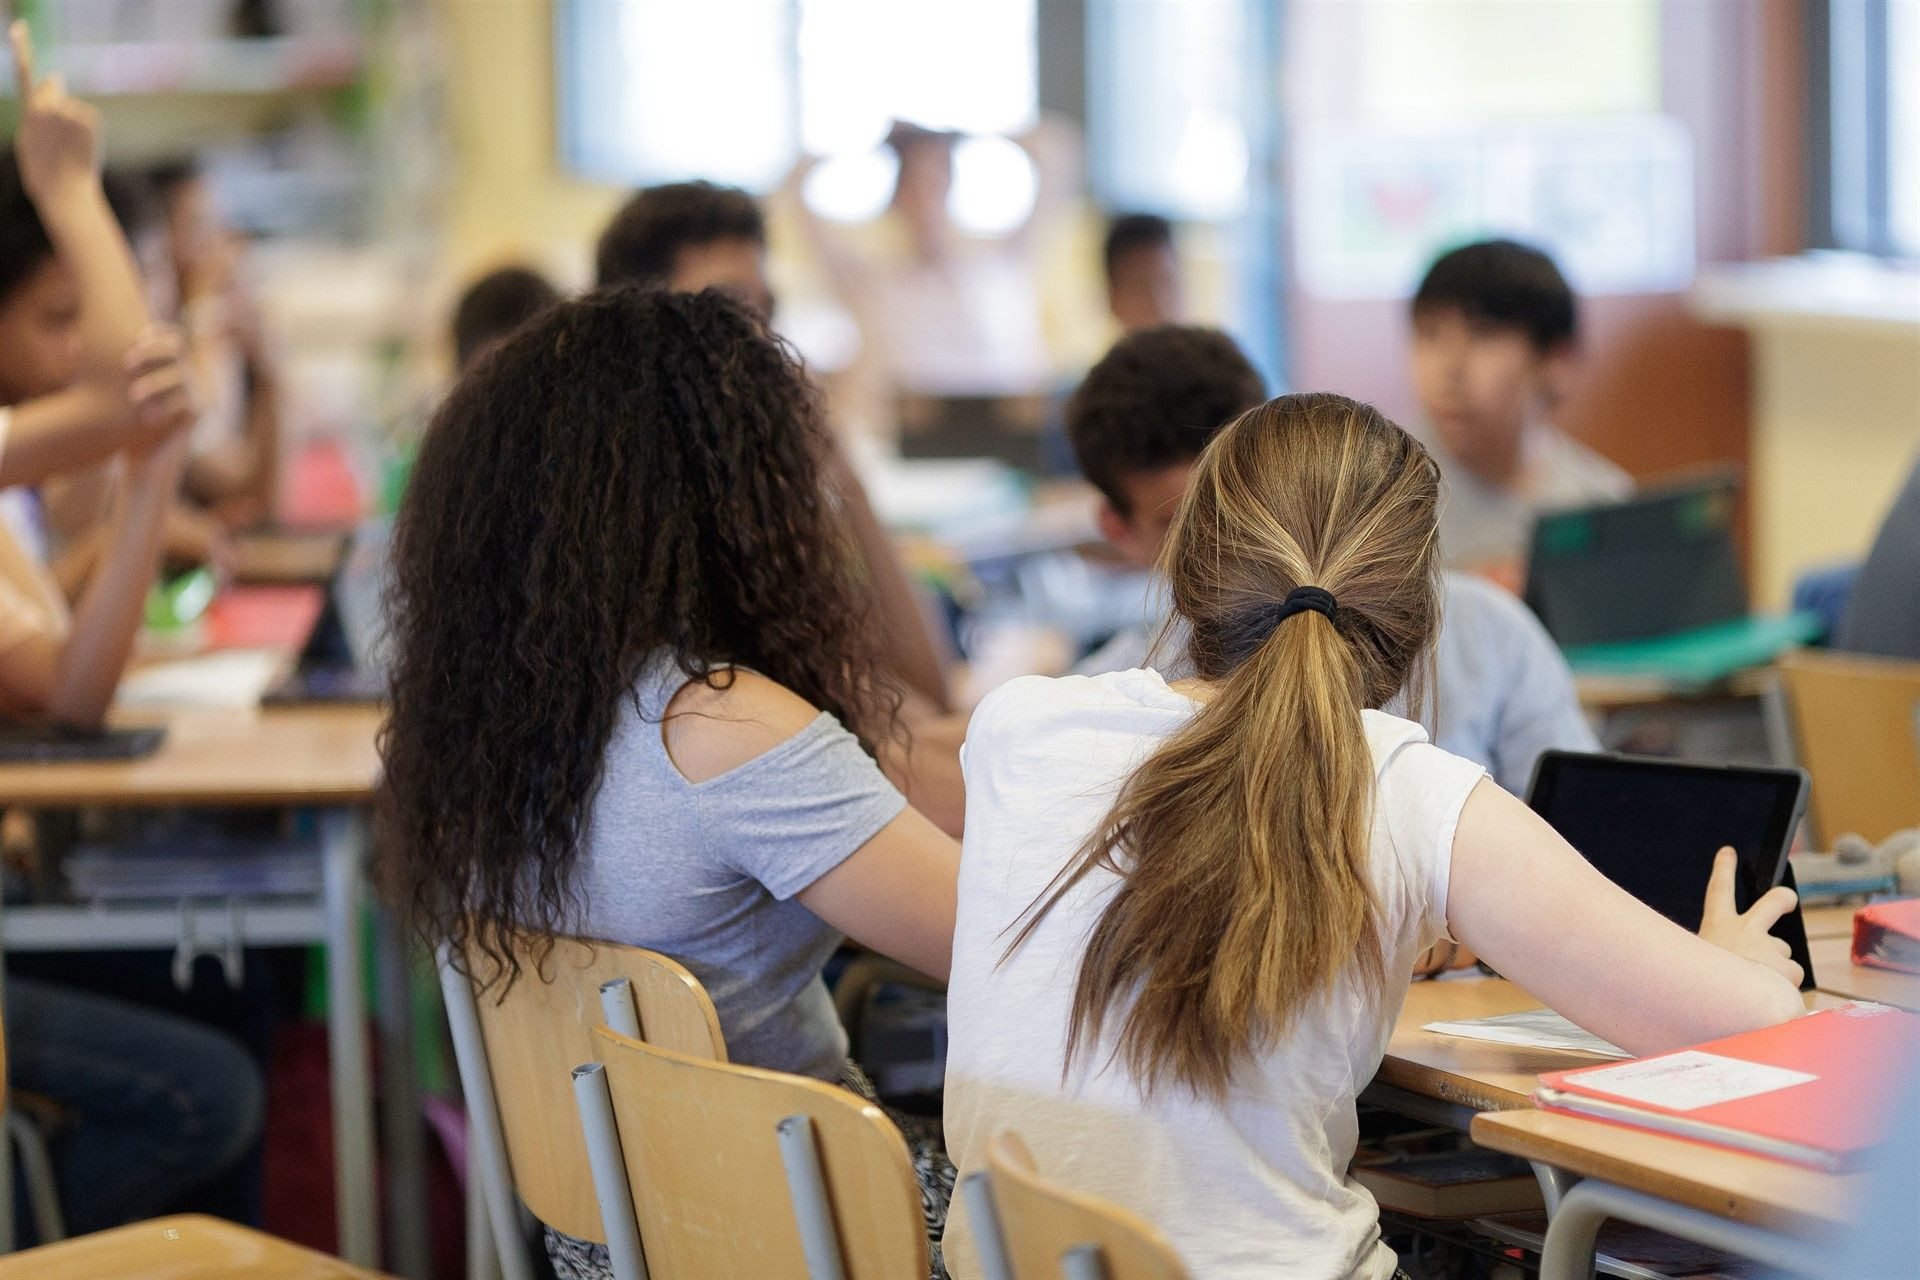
pixel 645 237
pixel 632 472
pixel 1156 399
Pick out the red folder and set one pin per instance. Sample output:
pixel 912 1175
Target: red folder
pixel 1887 935
pixel 263 617
pixel 1811 1091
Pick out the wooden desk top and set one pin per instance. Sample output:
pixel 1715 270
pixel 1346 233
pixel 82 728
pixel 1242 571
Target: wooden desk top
pixel 281 756
pixel 1837 974
pixel 1608 693
pixel 287 558
pixel 1473 1073
pixel 1828 922
pixel 1481 1074
pixel 1731 1184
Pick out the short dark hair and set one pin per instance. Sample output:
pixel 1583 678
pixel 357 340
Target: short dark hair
pixel 134 199
pixel 23 240
pixel 495 305
pixel 168 176
pixel 1507 283
pixel 1130 231
pixel 1155 400
pixel 656 223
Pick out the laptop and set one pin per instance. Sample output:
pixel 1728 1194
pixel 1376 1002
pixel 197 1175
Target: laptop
pixel 346 658
pixel 1657 564
pixel 1653 828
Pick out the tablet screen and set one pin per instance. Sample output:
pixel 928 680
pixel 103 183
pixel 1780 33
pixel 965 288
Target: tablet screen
pixel 1653 826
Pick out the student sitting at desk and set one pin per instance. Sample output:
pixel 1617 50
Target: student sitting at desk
pixel 1494 332
pixel 1188 911
pixel 635 695
pixel 149 1107
pixel 1138 424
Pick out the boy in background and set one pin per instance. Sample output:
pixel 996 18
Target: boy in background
pixel 689 236
pixel 1139 422
pixel 1494 331
pixel 1145 284
pixel 494 306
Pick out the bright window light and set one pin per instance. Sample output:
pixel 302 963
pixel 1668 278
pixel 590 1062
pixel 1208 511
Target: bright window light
pixel 993 186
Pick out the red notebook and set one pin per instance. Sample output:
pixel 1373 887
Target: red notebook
pixel 278 617
pixel 1811 1091
pixel 1887 935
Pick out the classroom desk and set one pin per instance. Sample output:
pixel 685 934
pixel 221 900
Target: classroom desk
pixel 1837 974
pixel 1828 922
pixel 1767 1210
pixel 274 557
pixel 324 758
pixel 1604 694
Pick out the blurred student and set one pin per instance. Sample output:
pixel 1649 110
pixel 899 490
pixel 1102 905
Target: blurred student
pixel 147 1107
pixel 1494 350
pixel 687 236
pixel 677 749
pixel 946 313
pixel 234 467
pixel 1883 611
pixel 495 305
pixel 1139 424
pixel 1188 911
pixel 1146 286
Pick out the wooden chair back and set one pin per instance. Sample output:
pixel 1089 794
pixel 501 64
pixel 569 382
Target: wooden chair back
pixel 1041 1224
pixel 542 1028
pixel 1856 730
pixel 186 1247
pixel 702 1150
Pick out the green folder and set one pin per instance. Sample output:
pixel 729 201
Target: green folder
pixel 1702 655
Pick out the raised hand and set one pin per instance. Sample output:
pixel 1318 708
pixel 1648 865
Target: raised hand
pixel 58 145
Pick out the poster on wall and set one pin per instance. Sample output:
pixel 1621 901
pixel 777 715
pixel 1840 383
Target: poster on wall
pixel 1612 200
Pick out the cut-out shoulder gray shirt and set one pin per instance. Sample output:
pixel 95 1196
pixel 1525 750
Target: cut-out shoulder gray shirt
pixel 707 872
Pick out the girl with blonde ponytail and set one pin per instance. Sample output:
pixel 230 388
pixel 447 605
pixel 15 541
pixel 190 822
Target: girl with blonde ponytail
pixel 1188 912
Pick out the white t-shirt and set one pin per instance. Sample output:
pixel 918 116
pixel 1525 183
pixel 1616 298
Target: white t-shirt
pixel 1252 1187
pixel 1482 523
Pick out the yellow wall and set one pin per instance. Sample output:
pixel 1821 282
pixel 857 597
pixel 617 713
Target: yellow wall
pixel 509 197
pixel 1836 427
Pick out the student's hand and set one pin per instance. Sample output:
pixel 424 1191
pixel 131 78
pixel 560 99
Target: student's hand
pixel 160 384
pixel 1723 924
pixel 58 145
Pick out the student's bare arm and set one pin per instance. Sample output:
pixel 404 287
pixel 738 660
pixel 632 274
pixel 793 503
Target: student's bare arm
pixel 1522 898
pixel 926 766
pixel 897 893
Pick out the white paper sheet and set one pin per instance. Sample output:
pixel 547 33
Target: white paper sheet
pixel 1690 1079
pixel 235 678
pixel 1533 1028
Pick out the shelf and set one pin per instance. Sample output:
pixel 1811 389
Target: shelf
pixel 287 64
pixel 1834 290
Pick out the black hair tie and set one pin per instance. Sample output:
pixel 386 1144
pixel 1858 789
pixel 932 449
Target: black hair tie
pixel 1305 600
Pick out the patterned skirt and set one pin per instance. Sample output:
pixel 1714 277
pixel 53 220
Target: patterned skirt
pixel 575 1259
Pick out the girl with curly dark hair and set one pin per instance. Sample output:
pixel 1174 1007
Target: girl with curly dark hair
pixel 636 694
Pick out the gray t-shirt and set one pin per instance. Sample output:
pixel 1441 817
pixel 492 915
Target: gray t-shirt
pixel 1504 693
pixel 1883 613
pixel 1481 524
pixel 707 873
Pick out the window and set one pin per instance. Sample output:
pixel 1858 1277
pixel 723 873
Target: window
pixel 735 90
pixel 1867 182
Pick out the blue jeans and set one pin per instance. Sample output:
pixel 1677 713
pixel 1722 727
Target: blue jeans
pixel 151 1106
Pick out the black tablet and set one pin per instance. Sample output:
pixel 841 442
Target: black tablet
pixel 22 744
pixel 1653 827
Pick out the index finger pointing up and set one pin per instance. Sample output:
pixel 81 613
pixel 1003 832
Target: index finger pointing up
pixel 22 41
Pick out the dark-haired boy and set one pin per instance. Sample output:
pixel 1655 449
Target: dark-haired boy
pixel 1140 421
pixel 494 306
pixel 689 236
pixel 1145 284
pixel 1494 332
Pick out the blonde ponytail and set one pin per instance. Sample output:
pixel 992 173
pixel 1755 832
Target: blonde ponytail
pixel 1242 844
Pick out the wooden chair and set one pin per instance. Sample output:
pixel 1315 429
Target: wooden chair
pixel 1026 1228
pixel 1856 731
pixel 525 1067
pixel 735 1171
pixel 187 1247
